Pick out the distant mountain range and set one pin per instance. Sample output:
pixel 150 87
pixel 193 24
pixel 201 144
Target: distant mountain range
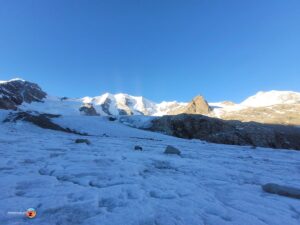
pixel 276 107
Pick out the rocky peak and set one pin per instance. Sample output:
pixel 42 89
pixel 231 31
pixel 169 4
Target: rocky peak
pixel 197 106
pixel 17 91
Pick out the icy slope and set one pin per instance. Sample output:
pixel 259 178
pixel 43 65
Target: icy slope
pixel 54 105
pixel 109 183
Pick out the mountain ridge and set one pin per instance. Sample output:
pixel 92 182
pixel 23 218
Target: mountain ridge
pixel 281 106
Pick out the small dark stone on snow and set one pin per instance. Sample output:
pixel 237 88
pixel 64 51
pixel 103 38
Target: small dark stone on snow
pixel 112 118
pixel 172 150
pixel 138 148
pixel 282 190
pixel 80 141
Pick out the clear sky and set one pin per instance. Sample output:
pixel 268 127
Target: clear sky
pixel 161 49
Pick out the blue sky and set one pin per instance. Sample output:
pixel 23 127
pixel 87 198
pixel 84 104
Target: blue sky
pixel 161 49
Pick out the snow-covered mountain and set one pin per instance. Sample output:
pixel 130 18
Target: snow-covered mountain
pixel 17 91
pixel 269 98
pixel 105 105
pixel 270 107
pixel 124 104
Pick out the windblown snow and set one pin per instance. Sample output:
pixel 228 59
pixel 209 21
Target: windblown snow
pixel 109 183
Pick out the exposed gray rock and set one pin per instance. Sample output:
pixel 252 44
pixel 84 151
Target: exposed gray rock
pixel 13 93
pixel 125 112
pixel 111 118
pixel 82 141
pixel 282 190
pixel 105 106
pixel 228 132
pixel 88 109
pixel 138 148
pixel 172 150
pixel 40 120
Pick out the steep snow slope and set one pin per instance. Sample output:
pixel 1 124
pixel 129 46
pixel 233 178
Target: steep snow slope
pixel 109 183
pixel 269 98
pixel 55 105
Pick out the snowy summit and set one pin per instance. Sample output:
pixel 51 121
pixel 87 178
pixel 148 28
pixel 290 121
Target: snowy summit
pixel 269 98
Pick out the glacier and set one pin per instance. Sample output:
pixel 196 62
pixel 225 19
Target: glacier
pixel 109 183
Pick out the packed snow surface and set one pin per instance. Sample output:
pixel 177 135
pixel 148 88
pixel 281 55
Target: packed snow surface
pixel 108 183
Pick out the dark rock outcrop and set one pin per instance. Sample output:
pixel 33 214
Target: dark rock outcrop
pixel 125 112
pixel 40 120
pixel 228 132
pixel 282 190
pixel 82 141
pixel 138 148
pixel 13 93
pixel 105 106
pixel 111 118
pixel 88 109
pixel 172 150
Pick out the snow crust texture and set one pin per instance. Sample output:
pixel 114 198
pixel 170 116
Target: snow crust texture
pixel 109 183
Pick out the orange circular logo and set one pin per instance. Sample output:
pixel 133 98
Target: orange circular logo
pixel 31 213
